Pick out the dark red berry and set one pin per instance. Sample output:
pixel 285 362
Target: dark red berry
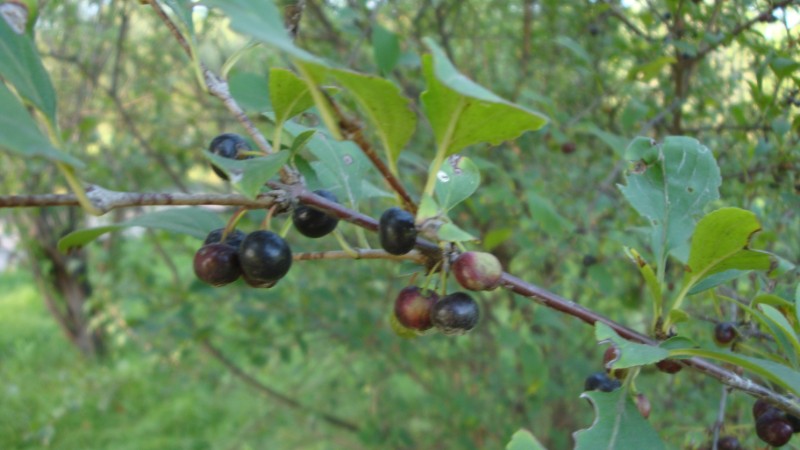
pixel 234 238
pixel 600 381
pixel 724 333
pixel 568 148
pixel 455 313
pixel 773 428
pixel 728 443
pixel 397 231
pixel 643 405
pixel 477 271
pixel 227 145
pixel 413 307
pixel 312 222
pixel 760 407
pixel 265 257
pixel 794 421
pixel 669 366
pixel 217 264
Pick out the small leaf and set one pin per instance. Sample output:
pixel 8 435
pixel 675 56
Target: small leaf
pixel 452 233
pixel 258 171
pixel 251 91
pixel 19 133
pixel 618 425
pixel 289 94
pixel 720 244
pixel 715 280
pixel 385 48
pixel 197 222
pixel 642 149
pixel 632 354
pixel 457 180
pixel 20 65
pixel 463 113
pixel 524 440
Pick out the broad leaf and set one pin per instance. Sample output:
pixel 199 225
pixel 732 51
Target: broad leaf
pixel 715 280
pixel 385 48
pixel 618 425
pixel 672 189
pixel 251 91
pixel 19 133
pixel 524 440
pixel 452 233
pixel 289 94
pixel 720 244
pixel 197 222
pixel 20 65
pixel 463 113
pixel 631 354
pixel 458 178
pixel 386 108
pixel 783 326
pixel 342 167
pixel 258 170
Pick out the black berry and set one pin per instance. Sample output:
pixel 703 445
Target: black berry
pixel 227 145
pixel 773 428
pixel 760 407
pixel 477 271
pixel 412 308
pixel 265 257
pixel 397 231
pixel 456 313
pixel 724 333
pixel 217 264
pixel 728 443
pixel 600 381
pixel 234 238
pixel 312 222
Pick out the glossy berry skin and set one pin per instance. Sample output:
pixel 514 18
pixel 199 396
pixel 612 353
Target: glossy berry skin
pixel 397 231
pixel 265 257
pixel 217 264
pixel 600 381
pixel 234 238
pixel 413 307
pixel 477 271
pixel 227 145
pixel 455 313
pixel 728 443
pixel 312 222
pixel 724 333
pixel 669 366
pixel 260 284
pixel 773 428
pixel 760 407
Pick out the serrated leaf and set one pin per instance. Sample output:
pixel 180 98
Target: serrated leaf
pixel 289 94
pixel 632 354
pixel 618 425
pixel 384 105
pixel 385 48
pixel 672 190
pixel 463 113
pixel 20 65
pixel 524 440
pixel 720 244
pixel 196 222
pixel 19 133
pixel 251 91
pixel 777 373
pixel 452 233
pixel 258 171
pixel 457 180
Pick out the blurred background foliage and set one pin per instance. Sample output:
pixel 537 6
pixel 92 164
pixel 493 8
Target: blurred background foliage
pixel 313 362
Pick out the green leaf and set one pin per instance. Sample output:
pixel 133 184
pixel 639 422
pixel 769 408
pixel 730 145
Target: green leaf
pixel 342 166
pixel 20 65
pixel 261 20
pixel 197 222
pixel 720 244
pixel 783 67
pixel 618 425
pixel 452 233
pixel 715 280
pixel 183 9
pixel 289 94
pixel 786 350
pixel 651 69
pixel 258 170
pixel 251 91
pixel 545 213
pixel 642 149
pixel 428 209
pixel 574 47
pixel 463 113
pixel 616 143
pixel 385 48
pixel 671 190
pixel 458 178
pixel 386 108
pixel 632 354
pixel 777 373
pixel 783 325
pixel 524 440
pixel 313 75
pixel 19 133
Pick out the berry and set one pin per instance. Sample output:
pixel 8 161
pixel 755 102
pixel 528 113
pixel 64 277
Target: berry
pixel 669 366
pixel 413 307
pixel 477 271
pixel 612 355
pixel 568 148
pixel 234 238
pixel 600 381
pixel 312 222
pixel 217 264
pixel 794 421
pixel 261 284
pixel 643 405
pixel 456 313
pixel 760 407
pixel 728 443
pixel 265 257
pixel 724 333
pixel 227 145
pixel 773 428
pixel 397 231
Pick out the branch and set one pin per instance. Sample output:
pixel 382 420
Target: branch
pixel 359 253
pixel 264 389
